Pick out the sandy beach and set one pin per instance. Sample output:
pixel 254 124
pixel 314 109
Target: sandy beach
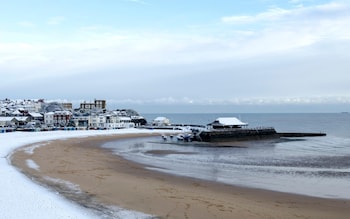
pixel 107 180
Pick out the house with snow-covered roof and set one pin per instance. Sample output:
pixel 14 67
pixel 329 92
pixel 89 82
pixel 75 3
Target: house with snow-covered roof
pixel 161 121
pixel 7 121
pixel 21 120
pixel 36 117
pixel 227 122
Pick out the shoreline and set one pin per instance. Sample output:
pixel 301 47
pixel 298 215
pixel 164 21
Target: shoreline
pixel 113 181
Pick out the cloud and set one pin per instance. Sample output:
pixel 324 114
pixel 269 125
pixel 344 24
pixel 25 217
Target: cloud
pixel 302 53
pixel 302 100
pixel 275 14
pixel 26 24
pixel 56 20
pixel 96 47
pixel 294 1
pixel 270 15
pixel 137 1
pixel 278 29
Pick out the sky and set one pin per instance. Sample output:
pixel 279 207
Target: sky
pixel 179 56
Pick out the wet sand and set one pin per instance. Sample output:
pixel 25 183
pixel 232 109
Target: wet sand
pixel 105 179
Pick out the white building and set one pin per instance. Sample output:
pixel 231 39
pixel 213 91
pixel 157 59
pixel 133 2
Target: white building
pixel 48 119
pixel 61 118
pixel 97 121
pixel 57 118
pixel 110 122
pixel 81 122
pixel 227 122
pixel 125 122
pixel 7 121
pixel 161 121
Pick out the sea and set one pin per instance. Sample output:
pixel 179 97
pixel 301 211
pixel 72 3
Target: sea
pixel 312 166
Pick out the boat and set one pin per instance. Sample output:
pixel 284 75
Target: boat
pixel 184 137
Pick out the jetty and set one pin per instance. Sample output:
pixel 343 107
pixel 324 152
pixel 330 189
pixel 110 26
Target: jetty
pixel 237 134
pixel 300 134
pixel 223 129
pixel 232 129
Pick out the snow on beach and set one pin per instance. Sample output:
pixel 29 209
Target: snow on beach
pixel 22 198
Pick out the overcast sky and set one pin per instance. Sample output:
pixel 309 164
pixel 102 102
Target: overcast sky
pixel 179 55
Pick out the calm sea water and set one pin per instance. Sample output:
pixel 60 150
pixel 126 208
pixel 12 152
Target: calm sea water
pixel 315 166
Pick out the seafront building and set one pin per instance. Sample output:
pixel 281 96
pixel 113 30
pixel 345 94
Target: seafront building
pixel 29 115
pixel 97 104
pixel 57 118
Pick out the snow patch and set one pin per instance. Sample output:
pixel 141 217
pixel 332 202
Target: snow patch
pixel 30 150
pixel 71 186
pixel 22 198
pixel 31 164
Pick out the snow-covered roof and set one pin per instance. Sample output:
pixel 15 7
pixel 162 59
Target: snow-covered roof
pixel 62 112
pixel 21 118
pixel 6 119
pixel 124 118
pixel 35 114
pixel 161 121
pixel 160 118
pixel 230 121
pixel 17 112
